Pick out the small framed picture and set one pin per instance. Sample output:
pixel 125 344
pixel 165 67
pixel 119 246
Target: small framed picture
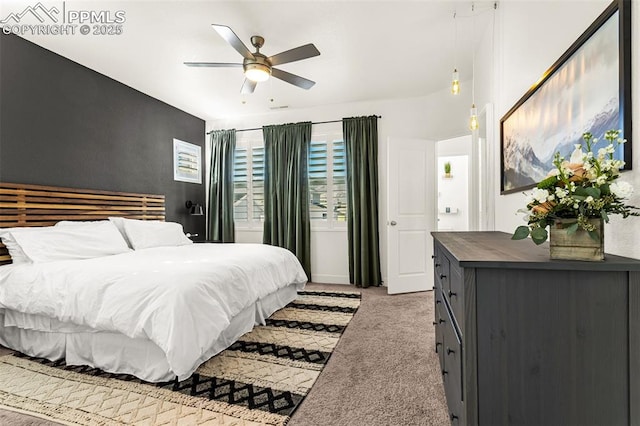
pixel 187 160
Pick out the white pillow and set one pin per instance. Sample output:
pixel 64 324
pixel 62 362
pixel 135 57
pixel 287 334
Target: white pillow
pixel 79 222
pixel 15 251
pixel 70 242
pixel 119 223
pixel 152 233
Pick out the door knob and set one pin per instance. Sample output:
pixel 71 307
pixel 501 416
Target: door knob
pixel 393 223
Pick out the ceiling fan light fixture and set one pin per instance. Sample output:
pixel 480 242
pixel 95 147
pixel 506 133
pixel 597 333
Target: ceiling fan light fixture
pixel 257 72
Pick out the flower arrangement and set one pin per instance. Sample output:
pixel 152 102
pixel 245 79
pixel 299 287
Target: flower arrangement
pixel 582 188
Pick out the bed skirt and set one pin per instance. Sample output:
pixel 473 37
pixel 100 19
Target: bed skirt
pixel 117 353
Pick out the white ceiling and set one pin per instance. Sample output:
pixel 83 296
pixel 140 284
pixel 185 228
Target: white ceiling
pixel 369 49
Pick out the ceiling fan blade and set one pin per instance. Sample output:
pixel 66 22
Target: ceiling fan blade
pixel 212 64
pixel 296 80
pixel 231 38
pixel 297 54
pixel 248 87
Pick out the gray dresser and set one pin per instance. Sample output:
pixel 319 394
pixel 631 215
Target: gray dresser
pixel 524 340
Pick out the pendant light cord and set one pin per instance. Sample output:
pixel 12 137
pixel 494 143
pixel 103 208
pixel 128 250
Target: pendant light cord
pixel 455 41
pixel 473 57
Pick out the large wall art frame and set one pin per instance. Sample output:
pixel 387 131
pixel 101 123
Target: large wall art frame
pixel 587 89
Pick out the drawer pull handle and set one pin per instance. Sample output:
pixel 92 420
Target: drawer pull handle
pixel 438 301
pixel 433 256
pixel 437 265
pixel 434 323
pixel 445 372
pixel 453 417
pixel 443 276
pixel 450 351
pixel 451 293
pixel 441 321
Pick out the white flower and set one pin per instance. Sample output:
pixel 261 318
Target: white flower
pixel 589 199
pixel 527 215
pixel 540 195
pixel 561 192
pixel 576 155
pixel 621 189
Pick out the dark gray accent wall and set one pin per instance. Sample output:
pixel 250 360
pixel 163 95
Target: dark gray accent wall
pixel 63 124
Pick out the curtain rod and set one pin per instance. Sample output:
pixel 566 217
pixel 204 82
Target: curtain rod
pixel 260 128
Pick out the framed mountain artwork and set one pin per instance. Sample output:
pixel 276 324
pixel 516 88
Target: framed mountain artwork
pixel 587 90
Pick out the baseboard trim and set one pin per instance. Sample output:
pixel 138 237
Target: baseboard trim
pixel 330 279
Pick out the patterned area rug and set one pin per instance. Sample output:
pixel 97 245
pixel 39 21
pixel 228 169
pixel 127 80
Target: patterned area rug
pixel 259 380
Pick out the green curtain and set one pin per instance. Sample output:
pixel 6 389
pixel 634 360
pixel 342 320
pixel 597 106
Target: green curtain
pixel 361 142
pixel 286 189
pixel 220 214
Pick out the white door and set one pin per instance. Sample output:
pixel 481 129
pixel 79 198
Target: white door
pixel 411 215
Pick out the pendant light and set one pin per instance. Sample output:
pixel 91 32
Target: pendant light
pixel 455 80
pixel 473 116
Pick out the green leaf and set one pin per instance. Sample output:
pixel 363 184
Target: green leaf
pixel 539 235
pixel 594 235
pixel 547 182
pixel 593 191
pixel 580 191
pixel 571 229
pixel 604 215
pixel 604 189
pixel 520 233
pixel 578 197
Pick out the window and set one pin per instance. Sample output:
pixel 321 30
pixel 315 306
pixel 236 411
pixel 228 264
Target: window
pixel 339 181
pixel 257 182
pixel 240 187
pixel 248 184
pixel 327 182
pixel 318 180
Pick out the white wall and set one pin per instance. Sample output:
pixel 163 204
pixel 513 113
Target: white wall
pixel 531 36
pixel 454 192
pixel 434 117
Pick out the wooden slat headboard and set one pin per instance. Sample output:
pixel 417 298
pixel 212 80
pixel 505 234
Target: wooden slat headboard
pixel 38 205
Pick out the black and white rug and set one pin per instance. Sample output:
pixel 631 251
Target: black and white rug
pixel 260 379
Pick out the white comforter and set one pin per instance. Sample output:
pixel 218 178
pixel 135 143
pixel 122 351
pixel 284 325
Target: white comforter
pixel 181 298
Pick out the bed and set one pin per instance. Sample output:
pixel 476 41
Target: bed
pixel 156 312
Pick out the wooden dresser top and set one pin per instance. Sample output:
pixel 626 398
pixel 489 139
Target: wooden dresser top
pixel 497 250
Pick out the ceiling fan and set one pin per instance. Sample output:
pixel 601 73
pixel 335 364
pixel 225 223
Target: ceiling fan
pixel 258 67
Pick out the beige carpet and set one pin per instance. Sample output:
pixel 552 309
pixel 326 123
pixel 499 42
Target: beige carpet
pixel 383 372
pixel 259 380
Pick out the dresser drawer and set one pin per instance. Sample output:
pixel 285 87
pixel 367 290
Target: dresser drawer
pixel 441 268
pixel 453 372
pixel 455 296
pixel 440 324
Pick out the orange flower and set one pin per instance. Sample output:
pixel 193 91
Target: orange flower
pixel 544 208
pixel 578 171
